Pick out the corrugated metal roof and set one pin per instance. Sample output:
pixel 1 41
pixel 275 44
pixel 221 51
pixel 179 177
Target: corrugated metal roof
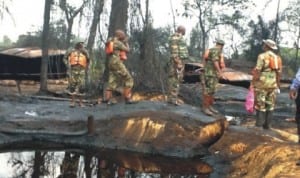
pixel 31 52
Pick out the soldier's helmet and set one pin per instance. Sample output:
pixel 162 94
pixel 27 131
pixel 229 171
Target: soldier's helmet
pixel 270 43
pixel 220 42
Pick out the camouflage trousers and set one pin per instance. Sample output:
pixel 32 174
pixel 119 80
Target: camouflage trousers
pixel 209 84
pixel 264 99
pixel 175 78
pixel 77 80
pixel 118 75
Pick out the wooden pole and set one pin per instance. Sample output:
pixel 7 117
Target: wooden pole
pixel 91 126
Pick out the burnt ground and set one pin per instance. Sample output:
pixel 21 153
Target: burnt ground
pixel 251 152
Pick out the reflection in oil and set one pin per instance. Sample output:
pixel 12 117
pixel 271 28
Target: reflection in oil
pixel 100 164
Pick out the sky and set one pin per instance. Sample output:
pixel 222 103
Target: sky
pixel 28 15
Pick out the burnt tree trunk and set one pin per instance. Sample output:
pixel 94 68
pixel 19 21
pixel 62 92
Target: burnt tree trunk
pixel 118 16
pixel 148 69
pixel 45 46
pixel 98 9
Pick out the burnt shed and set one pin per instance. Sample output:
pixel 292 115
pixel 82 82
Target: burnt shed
pixel 25 64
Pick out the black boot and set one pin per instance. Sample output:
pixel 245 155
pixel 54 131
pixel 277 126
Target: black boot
pixel 260 118
pixel 268 120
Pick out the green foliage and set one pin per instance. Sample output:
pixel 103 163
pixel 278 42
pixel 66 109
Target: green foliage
pixel 289 57
pixel 212 16
pixel 29 40
pixel 292 13
pixel 149 52
pixel 95 72
pixel 260 30
pixel 57 36
pixel 6 43
pixel 160 39
pixel 195 43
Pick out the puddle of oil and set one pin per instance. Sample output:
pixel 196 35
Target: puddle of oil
pixel 104 164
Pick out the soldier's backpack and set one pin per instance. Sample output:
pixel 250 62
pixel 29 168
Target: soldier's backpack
pixel 77 57
pixel 275 62
pixel 109 47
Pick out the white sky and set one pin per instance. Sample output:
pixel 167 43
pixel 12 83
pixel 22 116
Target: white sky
pixel 28 15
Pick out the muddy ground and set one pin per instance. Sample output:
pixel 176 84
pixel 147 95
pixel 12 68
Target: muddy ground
pixel 250 152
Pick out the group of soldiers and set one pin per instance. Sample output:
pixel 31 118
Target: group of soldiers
pixel 77 61
pixel 266 74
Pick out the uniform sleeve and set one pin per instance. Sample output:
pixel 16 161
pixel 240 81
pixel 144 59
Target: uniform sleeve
pixel 173 46
pixel 183 51
pixel 260 62
pixel 118 45
pixel 280 69
pixel 296 81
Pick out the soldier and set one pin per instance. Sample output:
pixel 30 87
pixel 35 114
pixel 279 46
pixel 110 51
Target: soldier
pixel 295 95
pixel 179 53
pixel 77 61
pixel 210 77
pixel 117 71
pixel 266 81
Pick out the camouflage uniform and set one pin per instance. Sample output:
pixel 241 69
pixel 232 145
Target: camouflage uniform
pixel 76 73
pixel 179 53
pixel 117 70
pixel 265 84
pixel 210 76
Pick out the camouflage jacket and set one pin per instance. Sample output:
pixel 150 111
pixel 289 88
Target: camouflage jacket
pixel 118 46
pixel 178 47
pixel 214 56
pixel 266 76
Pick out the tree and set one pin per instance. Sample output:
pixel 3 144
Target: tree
pixel 275 37
pixel 214 13
pixel 56 36
pixel 4 8
pixel 118 16
pixel 260 31
pixel 146 60
pixel 292 16
pixel 98 8
pixel 97 11
pixel 6 42
pixel 148 48
pixel 30 39
pixel 70 13
pixel 45 47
